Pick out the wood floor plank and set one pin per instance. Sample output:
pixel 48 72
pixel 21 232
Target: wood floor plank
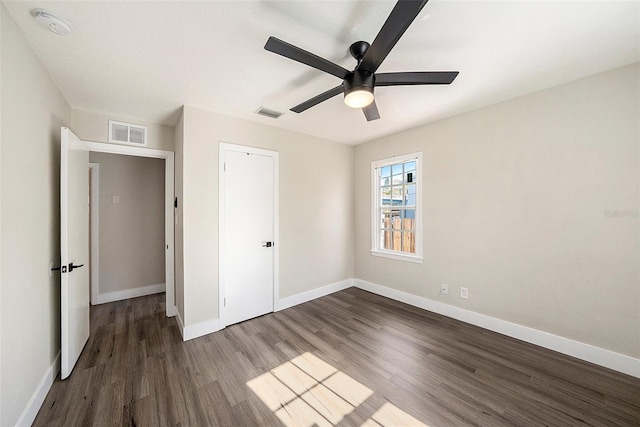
pixel 349 359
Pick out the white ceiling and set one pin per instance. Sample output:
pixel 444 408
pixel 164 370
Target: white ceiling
pixel 144 60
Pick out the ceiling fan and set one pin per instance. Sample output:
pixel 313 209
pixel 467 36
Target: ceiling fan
pixel 358 85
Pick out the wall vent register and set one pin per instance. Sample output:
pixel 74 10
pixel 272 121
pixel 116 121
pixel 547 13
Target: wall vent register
pixel 272 114
pixel 127 133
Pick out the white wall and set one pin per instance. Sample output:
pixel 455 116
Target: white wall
pixel 316 207
pixel 131 232
pixel 32 112
pixel 91 126
pixel 520 203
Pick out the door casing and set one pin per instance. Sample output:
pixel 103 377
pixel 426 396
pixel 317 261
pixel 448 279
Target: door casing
pixel 94 209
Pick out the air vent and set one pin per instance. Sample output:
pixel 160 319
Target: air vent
pixel 268 113
pixel 127 133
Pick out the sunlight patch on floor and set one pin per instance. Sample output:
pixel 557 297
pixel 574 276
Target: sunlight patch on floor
pixel 314 366
pixel 390 415
pixel 307 391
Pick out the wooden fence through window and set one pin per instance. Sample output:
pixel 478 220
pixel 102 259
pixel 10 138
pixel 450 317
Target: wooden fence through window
pixel 395 239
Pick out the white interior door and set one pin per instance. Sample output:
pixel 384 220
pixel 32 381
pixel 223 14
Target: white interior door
pixel 248 232
pixel 74 249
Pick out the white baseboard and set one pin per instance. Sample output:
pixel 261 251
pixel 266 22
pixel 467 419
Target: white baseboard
pixel 599 356
pixel 180 324
pixel 131 293
pixel 199 329
pixel 312 294
pixel 203 328
pixel 37 399
pixel 172 311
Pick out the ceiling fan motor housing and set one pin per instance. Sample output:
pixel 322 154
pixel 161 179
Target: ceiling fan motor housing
pixel 359 80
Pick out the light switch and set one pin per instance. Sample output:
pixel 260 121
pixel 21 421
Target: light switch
pixel 115 199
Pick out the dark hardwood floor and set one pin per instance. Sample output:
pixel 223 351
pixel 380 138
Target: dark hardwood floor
pixel 350 358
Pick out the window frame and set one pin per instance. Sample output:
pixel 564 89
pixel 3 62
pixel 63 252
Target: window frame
pixel 376 206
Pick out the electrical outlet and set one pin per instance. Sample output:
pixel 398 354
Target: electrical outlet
pixel 464 293
pixel 444 289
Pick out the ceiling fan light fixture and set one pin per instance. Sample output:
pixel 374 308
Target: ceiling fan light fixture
pixel 358 89
pixel 358 97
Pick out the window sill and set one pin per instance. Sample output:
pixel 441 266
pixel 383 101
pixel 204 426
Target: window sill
pixel 397 256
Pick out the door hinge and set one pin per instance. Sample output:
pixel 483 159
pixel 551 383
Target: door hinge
pixel 224 167
pixel 225 301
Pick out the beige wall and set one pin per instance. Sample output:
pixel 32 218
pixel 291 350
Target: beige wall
pixel 316 207
pixel 32 112
pixel 519 206
pixel 179 240
pixel 131 232
pixel 91 126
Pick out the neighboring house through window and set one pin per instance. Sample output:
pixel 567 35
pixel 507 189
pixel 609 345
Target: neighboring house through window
pixel 396 221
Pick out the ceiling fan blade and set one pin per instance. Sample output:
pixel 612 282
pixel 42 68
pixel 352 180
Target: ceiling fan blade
pixel 402 15
pixel 318 99
pixel 416 78
pixel 290 51
pixel 371 111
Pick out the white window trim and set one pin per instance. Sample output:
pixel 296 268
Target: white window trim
pixel 375 196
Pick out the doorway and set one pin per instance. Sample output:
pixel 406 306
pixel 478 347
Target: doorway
pixel 248 233
pixel 126 227
pixel 168 157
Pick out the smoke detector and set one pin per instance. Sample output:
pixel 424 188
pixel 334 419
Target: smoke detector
pixel 51 21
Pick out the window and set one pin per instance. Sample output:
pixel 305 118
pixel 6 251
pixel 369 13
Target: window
pixel 396 217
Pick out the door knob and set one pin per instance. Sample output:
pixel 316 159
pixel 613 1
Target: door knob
pixel 72 267
pixel 267 244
